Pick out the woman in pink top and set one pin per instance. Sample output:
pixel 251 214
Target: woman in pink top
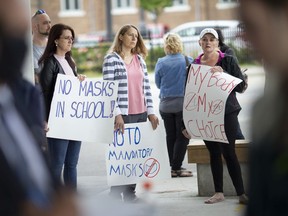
pixel 125 64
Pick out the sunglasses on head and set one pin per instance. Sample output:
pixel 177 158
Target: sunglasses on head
pixel 40 11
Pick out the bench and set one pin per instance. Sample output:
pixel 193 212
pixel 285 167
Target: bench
pixel 198 153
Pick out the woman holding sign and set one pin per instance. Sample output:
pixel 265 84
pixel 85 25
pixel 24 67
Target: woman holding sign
pixel 125 64
pixel 56 60
pixel 223 63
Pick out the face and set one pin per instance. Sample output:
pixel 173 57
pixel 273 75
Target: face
pixel 43 24
pixel 65 42
pixel 267 32
pixel 130 38
pixel 208 43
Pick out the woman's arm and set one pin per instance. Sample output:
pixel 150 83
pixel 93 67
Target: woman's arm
pixel 108 71
pixel 48 77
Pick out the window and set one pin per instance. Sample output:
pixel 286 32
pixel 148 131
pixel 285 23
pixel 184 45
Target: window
pixel 227 4
pixel 121 7
pixel 71 8
pixel 178 2
pixel 178 5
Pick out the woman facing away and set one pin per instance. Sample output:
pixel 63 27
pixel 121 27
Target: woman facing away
pixel 56 60
pixel 223 63
pixel 125 64
pixel 170 76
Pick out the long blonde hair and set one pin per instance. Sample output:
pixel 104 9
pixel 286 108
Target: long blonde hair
pixel 140 47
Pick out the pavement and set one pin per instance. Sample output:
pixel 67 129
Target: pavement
pixel 170 197
pixel 174 196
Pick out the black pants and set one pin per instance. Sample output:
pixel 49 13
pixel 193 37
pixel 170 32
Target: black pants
pixel 128 191
pixel 176 141
pixel 216 149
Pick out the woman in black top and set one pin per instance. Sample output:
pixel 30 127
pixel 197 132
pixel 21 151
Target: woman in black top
pixel 220 62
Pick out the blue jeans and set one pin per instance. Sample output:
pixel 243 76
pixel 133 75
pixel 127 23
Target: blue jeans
pixel 64 152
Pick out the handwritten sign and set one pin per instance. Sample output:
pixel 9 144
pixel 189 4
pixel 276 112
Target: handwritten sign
pixel 204 103
pixel 137 155
pixel 82 110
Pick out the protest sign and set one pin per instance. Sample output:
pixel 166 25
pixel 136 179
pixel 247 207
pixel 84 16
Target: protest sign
pixel 137 155
pixel 82 110
pixel 204 103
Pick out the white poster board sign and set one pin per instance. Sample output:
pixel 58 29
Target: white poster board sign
pixel 82 110
pixel 204 103
pixel 137 155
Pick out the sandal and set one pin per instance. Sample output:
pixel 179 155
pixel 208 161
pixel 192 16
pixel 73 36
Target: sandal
pixel 215 199
pixel 184 169
pixel 184 173
pixel 174 173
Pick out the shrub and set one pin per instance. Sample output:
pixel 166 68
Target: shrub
pixel 90 60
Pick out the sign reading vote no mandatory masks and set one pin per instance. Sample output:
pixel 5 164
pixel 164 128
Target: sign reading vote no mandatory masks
pixel 204 104
pixel 137 155
pixel 82 110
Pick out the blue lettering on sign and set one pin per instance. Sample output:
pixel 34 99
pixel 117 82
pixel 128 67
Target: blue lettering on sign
pixel 127 170
pixel 90 110
pixel 134 136
pixel 65 87
pixel 96 88
pixel 60 108
pixel 129 155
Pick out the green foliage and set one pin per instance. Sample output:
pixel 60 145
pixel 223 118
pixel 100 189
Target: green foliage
pixel 153 56
pixel 90 60
pixel 155 6
pixel 244 54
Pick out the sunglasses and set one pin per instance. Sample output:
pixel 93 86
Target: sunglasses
pixel 38 12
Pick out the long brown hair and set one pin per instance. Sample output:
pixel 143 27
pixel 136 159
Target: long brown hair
pixel 140 47
pixel 55 33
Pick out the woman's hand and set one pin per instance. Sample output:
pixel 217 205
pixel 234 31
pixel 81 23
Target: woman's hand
pixel 119 124
pixel 81 77
pixel 46 129
pixel 186 134
pixel 154 121
pixel 216 69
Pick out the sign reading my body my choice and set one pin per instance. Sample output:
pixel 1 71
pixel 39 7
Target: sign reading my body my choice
pixel 204 103
pixel 137 155
pixel 83 110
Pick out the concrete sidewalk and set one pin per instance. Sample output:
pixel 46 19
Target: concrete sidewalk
pixel 175 196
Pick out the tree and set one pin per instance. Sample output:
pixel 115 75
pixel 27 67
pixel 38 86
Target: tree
pixel 156 7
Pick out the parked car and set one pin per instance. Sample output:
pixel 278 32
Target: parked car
pixel 89 40
pixel 189 32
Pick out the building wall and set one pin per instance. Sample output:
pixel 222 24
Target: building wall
pixel 94 18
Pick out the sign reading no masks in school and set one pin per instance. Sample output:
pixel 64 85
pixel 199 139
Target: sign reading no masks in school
pixel 82 110
pixel 137 155
pixel 204 103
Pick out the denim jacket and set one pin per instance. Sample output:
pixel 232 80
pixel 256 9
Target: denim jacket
pixel 170 75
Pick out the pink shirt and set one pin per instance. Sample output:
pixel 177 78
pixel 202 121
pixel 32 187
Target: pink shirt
pixel 65 65
pixel 136 97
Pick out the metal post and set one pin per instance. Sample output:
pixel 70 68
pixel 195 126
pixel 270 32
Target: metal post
pixel 109 20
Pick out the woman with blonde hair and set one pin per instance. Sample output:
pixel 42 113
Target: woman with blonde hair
pixel 125 64
pixel 170 76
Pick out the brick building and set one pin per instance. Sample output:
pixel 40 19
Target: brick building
pixel 88 16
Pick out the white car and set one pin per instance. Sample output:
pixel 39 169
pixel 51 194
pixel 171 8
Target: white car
pixel 190 32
